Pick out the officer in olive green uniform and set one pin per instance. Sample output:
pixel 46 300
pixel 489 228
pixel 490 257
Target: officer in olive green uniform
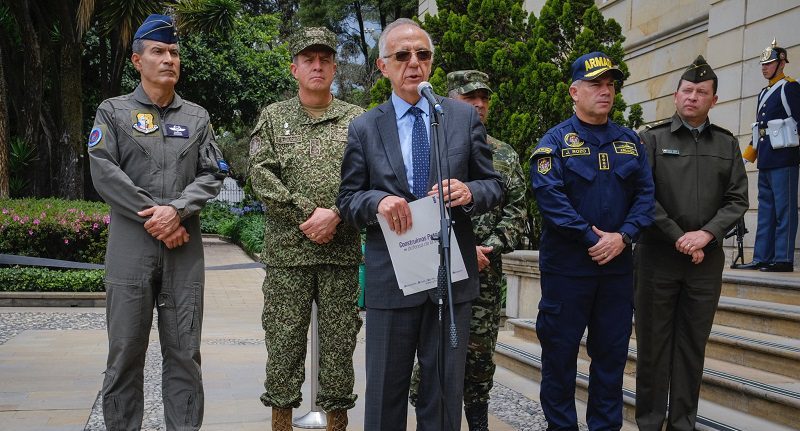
pixel 701 192
pixel 154 161
pixel 296 152
pixel 497 231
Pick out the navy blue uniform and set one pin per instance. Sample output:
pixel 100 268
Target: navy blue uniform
pixel 777 181
pixel 583 176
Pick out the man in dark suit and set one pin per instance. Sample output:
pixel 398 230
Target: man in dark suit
pixel 385 166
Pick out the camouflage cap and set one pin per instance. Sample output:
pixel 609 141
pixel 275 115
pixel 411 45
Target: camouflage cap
pixel 312 36
pixel 467 81
pixel 699 71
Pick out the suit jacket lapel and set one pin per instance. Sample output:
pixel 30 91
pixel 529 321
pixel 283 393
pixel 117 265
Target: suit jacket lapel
pixel 387 127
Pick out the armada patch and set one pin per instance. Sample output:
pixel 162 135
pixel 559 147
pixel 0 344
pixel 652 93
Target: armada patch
pixel 671 152
pixel 625 147
pixel 95 136
pixel 542 150
pixel 178 131
pixel 144 123
pixel 569 152
pixel 543 165
pixel 603 160
pixel 573 140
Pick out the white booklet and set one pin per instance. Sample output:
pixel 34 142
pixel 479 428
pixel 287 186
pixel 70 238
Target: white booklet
pixel 415 253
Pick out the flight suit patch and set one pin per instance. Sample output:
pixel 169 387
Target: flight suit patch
pixel 569 152
pixel 95 136
pixel 573 140
pixel 144 123
pixel 625 147
pixel 543 150
pixel 603 160
pixel 543 165
pixel 178 131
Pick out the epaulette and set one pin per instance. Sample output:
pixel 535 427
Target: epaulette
pixel 721 129
pixel 658 124
pixel 789 79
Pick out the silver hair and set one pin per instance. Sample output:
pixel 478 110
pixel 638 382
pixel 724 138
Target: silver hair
pixel 397 23
pixel 137 47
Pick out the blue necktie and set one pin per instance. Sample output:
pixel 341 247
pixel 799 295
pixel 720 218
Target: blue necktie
pixel 420 153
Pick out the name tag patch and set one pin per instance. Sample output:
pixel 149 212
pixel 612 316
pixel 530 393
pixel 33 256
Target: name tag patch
pixel 569 152
pixel 178 131
pixel 624 147
pixel 289 139
pixel 671 152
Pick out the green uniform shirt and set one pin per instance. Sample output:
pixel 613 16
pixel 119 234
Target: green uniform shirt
pixel 295 167
pixel 701 183
pixel 503 226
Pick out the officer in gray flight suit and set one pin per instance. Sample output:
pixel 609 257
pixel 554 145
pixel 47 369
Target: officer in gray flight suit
pixel 154 161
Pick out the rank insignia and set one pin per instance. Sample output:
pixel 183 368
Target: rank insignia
pixel 314 147
pixel 573 140
pixel 95 136
pixel 603 159
pixel 144 123
pixel 543 165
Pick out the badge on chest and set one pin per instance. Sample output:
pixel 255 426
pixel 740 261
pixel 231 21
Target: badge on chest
pixel 144 123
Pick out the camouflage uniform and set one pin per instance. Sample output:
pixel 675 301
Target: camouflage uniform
pixel 500 228
pixel 295 168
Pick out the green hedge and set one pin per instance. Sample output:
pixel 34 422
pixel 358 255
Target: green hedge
pixel 243 223
pixel 54 228
pixel 26 279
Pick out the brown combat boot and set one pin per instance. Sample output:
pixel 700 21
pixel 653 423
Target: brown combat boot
pixel 337 420
pixel 281 419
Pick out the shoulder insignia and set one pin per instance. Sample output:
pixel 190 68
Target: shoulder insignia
pixel 95 136
pixel 544 164
pixel 789 79
pixel 657 124
pixel 543 150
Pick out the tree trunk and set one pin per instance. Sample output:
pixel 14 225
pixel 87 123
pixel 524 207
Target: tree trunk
pixel 362 39
pixel 70 142
pixel 32 82
pixel 4 132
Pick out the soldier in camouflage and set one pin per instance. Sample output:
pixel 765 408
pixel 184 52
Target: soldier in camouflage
pixel 497 231
pixel 296 151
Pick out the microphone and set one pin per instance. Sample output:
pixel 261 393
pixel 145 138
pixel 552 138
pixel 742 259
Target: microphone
pixel 425 89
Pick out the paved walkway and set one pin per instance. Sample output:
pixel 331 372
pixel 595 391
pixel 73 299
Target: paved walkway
pixel 52 359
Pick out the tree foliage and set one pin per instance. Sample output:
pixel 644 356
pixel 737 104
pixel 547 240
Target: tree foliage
pixel 527 59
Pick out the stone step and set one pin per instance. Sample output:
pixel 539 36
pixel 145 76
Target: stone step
pixel 759 316
pixel 780 288
pixel 773 353
pixel 750 390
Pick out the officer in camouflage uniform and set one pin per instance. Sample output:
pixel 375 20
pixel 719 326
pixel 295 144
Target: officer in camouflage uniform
pixel 153 160
pixel 497 231
pixel 296 150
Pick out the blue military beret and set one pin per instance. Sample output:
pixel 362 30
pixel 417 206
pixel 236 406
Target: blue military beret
pixel 590 66
pixel 160 28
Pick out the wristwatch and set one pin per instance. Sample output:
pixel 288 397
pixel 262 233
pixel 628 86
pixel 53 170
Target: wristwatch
pixel 626 238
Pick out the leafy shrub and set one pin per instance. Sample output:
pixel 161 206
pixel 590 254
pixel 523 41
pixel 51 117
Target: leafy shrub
pixel 25 279
pixel 242 222
pixel 54 228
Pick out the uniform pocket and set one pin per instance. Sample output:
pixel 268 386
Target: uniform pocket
pixel 125 302
pixel 546 321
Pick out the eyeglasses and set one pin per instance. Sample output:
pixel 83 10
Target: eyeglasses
pixel 422 55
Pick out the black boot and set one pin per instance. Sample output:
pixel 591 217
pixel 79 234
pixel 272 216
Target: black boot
pixel 477 417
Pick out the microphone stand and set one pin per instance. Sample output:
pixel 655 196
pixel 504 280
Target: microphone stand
pixel 444 286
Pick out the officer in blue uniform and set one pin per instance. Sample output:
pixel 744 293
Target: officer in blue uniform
pixel 778 160
pixel 595 192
